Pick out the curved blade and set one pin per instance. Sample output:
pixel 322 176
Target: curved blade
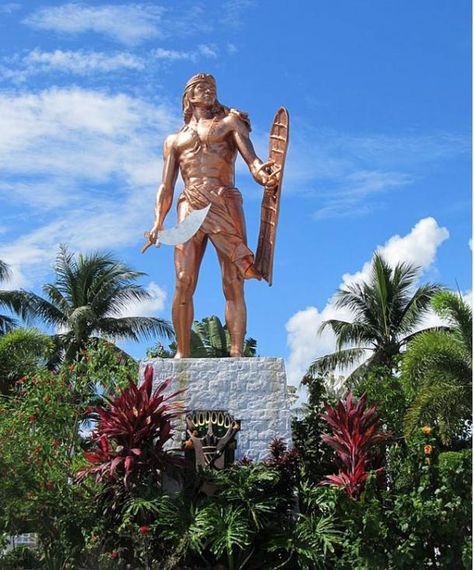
pixel 185 230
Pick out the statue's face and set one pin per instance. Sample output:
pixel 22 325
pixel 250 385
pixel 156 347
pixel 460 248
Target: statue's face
pixel 204 94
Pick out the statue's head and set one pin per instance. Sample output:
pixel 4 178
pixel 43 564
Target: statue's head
pixel 200 90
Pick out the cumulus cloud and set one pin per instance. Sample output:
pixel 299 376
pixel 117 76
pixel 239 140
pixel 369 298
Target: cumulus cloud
pixel 61 152
pixel 129 24
pixel 419 247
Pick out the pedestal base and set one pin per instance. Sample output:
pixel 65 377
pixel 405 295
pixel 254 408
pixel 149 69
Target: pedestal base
pixel 253 390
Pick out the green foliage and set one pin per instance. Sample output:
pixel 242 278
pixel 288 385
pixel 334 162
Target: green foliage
pixel 22 353
pixel 316 457
pixel 87 298
pixel 39 435
pixel 384 389
pixel 20 557
pixel 311 541
pixel 386 313
pixel 437 372
pixel 209 339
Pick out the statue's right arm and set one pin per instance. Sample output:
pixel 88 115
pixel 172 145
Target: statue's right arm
pixel 164 196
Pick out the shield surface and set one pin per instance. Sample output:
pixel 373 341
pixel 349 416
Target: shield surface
pixel 279 136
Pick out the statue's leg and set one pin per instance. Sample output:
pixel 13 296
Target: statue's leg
pixel 235 308
pixel 187 258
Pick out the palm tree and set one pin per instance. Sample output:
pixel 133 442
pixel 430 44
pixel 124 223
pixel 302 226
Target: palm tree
pixel 86 300
pixel 15 301
pixel 437 371
pixel 7 323
pixel 387 311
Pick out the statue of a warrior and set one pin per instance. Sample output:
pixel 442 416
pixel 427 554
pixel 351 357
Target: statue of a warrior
pixel 204 153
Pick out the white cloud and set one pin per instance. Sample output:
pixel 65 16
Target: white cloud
pixel 208 50
pixel 170 55
pixel 150 307
pixel 130 24
pixel 419 247
pixel 79 62
pixel 61 152
pixel 173 55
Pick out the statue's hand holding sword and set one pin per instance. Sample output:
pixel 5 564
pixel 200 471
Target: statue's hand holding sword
pixel 180 233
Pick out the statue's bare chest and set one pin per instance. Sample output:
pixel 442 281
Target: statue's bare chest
pixel 213 135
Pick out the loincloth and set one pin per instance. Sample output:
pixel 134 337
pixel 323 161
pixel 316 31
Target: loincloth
pixel 224 223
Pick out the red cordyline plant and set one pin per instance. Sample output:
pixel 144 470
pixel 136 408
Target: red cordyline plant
pixel 131 433
pixel 355 432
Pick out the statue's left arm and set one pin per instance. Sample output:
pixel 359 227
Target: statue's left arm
pixel 241 136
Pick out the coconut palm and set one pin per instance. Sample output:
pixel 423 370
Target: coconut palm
pixel 387 311
pixel 15 301
pixel 7 323
pixel 437 371
pixel 87 299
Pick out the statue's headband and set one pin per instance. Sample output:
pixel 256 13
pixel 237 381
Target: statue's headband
pixel 199 78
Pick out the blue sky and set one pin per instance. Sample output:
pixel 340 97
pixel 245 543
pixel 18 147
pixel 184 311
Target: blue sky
pixel 379 98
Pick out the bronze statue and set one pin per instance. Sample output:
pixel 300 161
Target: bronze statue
pixel 204 153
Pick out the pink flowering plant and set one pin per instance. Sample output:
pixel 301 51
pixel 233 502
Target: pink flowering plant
pixel 133 428
pixel 355 436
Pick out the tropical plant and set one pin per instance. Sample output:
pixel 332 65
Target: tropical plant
pixel 209 339
pixel 437 371
pixel 39 441
pixel 383 387
pixel 354 435
pixel 131 433
pixel 309 541
pixel 12 300
pixel 22 352
pixel 387 311
pixel 87 299
pixel 315 456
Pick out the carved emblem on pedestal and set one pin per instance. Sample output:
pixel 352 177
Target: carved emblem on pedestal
pixel 210 438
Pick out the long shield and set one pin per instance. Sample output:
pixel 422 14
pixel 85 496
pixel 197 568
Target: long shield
pixel 279 136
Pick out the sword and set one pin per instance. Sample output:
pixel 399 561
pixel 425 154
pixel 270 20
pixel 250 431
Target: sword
pixel 180 233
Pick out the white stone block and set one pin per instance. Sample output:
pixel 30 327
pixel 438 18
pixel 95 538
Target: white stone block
pixel 253 390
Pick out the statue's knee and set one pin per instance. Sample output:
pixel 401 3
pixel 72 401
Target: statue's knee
pixel 184 282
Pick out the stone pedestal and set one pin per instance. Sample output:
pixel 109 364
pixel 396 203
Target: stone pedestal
pixel 253 390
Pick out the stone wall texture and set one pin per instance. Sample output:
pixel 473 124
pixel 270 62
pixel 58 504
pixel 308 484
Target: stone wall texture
pixel 253 390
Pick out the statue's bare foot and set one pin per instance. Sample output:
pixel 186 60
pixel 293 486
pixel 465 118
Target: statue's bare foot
pixel 180 355
pixel 236 354
pixel 252 273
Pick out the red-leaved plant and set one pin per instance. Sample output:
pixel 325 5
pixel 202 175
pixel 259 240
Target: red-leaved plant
pixel 131 433
pixel 355 432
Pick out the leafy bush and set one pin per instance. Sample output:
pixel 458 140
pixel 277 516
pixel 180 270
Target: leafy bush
pixel 20 557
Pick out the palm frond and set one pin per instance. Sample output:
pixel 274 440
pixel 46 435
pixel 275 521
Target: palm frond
pixel 19 302
pixel 453 307
pixel 5 271
pixel 133 327
pixel 443 404
pixel 414 311
pixel 356 332
pixel 7 324
pixel 341 358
